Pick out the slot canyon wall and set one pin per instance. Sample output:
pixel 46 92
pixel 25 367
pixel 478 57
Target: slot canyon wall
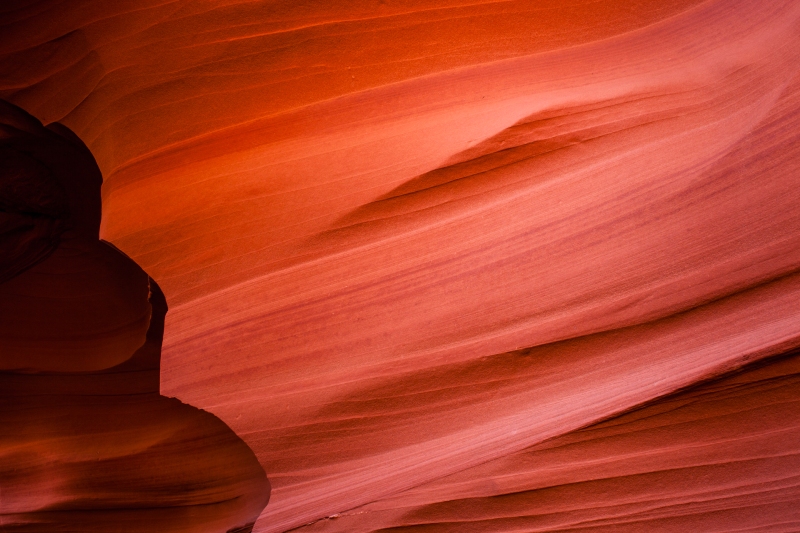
pixel 479 266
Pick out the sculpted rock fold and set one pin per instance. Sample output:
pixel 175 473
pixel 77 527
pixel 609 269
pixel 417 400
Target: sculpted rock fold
pixel 444 266
pixel 88 443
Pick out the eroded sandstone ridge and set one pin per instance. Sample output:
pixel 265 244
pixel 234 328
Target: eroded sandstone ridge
pixel 458 265
pixel 88 444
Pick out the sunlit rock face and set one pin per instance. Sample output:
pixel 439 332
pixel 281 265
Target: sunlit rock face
pixel 88 443
pixel 455 266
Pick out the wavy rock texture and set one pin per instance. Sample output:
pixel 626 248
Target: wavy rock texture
pixel 458 266
pixel 88 443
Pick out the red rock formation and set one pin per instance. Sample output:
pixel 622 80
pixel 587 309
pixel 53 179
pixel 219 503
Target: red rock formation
pixel 719 457
pixel 460 266
pixel 88 444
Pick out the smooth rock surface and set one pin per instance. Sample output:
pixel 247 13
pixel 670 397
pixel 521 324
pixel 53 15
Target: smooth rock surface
pixel 458 266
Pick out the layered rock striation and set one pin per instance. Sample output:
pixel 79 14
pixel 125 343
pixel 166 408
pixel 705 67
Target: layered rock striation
pixel 455 266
